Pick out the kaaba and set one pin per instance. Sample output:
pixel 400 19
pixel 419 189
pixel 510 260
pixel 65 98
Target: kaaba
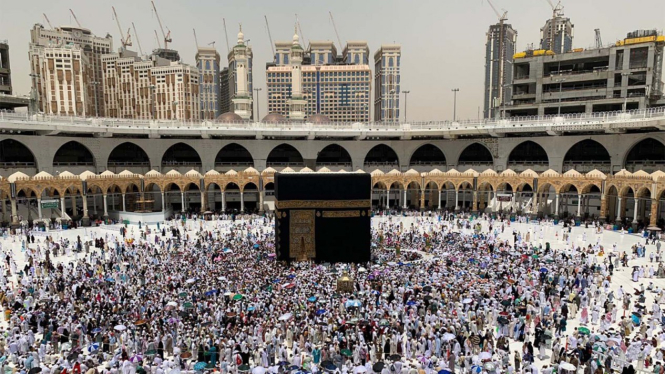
pixel 323 217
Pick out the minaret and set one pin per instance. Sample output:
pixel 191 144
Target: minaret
pixel 297 102
pixel 242 101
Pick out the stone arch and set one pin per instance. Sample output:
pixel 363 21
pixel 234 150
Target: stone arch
pixel 128 154
pixel 285 155
pixel 16 154
pixel 333 155
pixel 475 154
pixel 587 154
pixel 181 154
pixel 647 154
pixel 381 154
pixel 528 153
pixel 234 154
pixel 429 155
pixel 73 153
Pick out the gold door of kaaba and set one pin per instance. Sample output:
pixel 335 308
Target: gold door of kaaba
pixel 302 235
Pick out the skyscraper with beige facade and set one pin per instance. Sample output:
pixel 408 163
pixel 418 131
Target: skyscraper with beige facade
pixel 66 70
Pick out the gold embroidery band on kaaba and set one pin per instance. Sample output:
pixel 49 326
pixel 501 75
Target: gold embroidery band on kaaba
pixel 322 204
pixel 340 213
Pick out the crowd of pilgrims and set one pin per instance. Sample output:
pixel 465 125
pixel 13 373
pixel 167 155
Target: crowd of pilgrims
pixel 443 293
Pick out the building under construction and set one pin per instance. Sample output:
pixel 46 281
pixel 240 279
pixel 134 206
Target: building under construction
pixel 499 50
pixel 626 75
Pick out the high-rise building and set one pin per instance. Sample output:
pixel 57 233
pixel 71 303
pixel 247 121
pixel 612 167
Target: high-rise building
pixel 225 95
pixel 207 61
pixel 387 61
pixel 149 88
pixel 5 72
pixel 176 92
pixel 499 50
pixel 61 80
pixel 245 54
pixel 557 34
pixel 67 45
pixel 302 83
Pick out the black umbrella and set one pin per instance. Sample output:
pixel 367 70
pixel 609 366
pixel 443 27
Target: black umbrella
pixel 378 367
pixel 395 357
pixel 427 288
pixel 35 370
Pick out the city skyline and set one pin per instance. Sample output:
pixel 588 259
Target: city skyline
pixel 430 58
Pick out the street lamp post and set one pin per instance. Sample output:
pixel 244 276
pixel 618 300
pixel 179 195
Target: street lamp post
pixel 258 109
pixel 406 93
pixel 455 91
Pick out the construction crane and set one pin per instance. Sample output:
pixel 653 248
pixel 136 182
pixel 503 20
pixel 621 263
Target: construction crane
pixel 335 27
pixel 300 30
pixel 167 37
pixel 159 45
pixel 126 41
pixel 75 19
pixel 212 44
pixel 599 40
pixel 137 39
pixel 557 11
pixel 502 53
pixel 272 46
pixel 47 20
pixel 228 48
pixel 196 40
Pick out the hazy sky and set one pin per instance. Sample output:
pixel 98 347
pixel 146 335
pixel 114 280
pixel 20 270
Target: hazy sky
pixel 442 40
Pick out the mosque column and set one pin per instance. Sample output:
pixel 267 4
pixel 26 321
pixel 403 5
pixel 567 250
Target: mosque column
pixel 223 201
pixel 106 212
pixel 603 206
pixel 2 207
pixel 439 199
pixel 404 204
pixel 579 205
pixel 422 200
pixel 636 214
pixel 62 206
pixel 14 215
pixel 619 207
pixel 163 202
pixel 534 204
pixel 456 199
pixel 85 206
pixel 474 206
pixel 182 201
pixel 556 206
pixel 387 198
pixel 261 194
pixel 654 212
pixel 39 207
pixel 124 207
pixel 242 201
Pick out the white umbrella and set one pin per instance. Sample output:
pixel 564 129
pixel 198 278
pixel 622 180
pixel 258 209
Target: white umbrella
pixel 566 366
pixel 448 337
pixel 485 355
pixel 120 327
pixel 259 370
pixel 359 369
pixel 285 317
pixel 172 303
pixel 362 270
pixel 467 301
pixel 191 280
